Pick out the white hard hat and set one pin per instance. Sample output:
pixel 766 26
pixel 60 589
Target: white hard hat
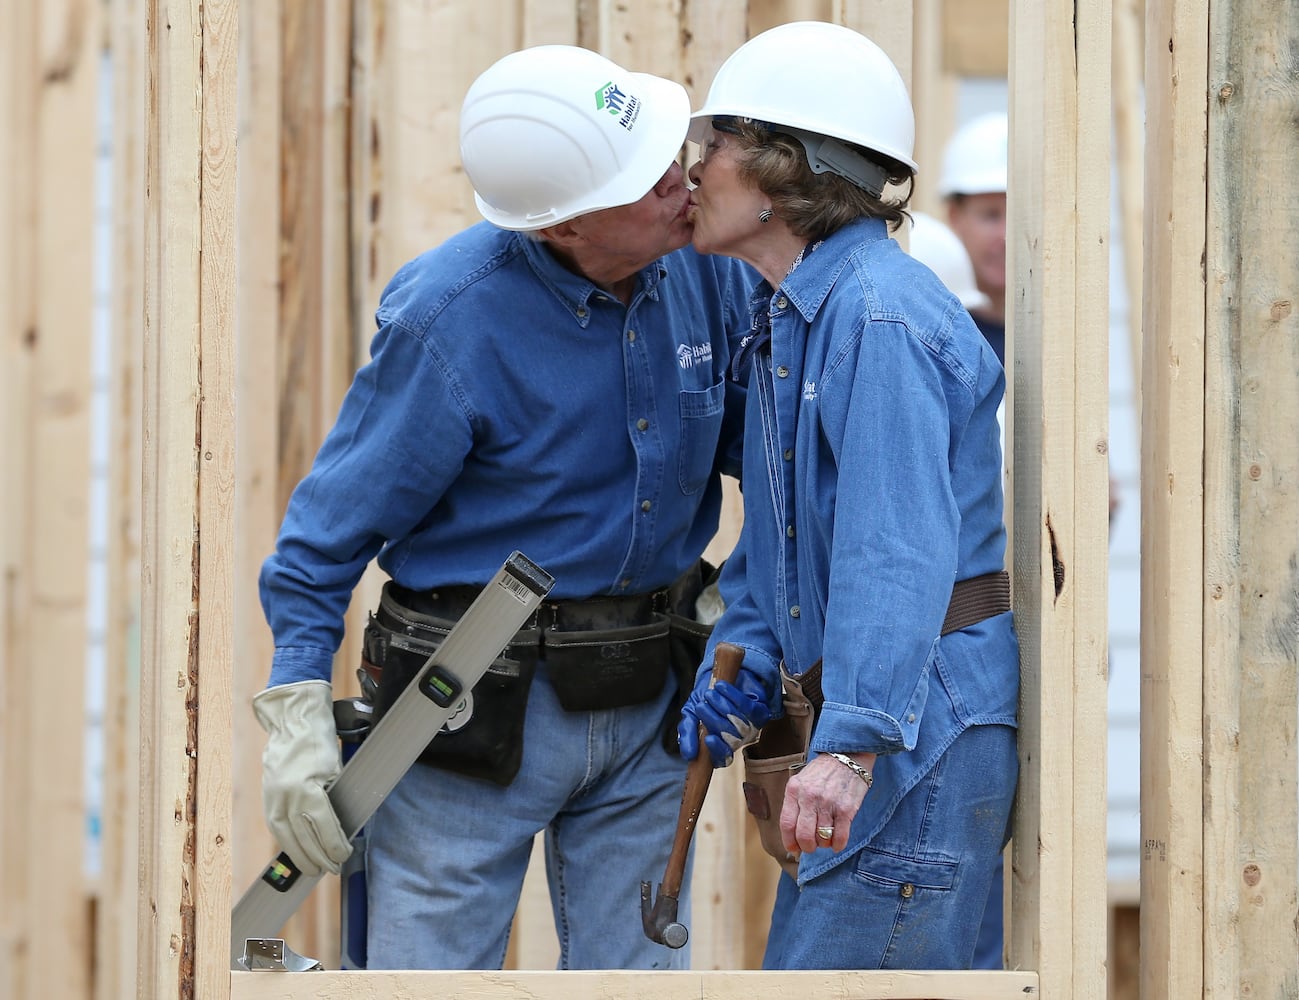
pixel 941 250
pixel 975 159
pixel 555 131
pixel 819 78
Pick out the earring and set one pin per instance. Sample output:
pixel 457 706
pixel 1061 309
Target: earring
pixel 765 215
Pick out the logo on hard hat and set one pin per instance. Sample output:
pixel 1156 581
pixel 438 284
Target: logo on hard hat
pixel 623 106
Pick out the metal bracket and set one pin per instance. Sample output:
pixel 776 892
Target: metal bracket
pixel 273 955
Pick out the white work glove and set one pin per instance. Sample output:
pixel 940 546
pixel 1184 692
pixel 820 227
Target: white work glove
pixel 302 758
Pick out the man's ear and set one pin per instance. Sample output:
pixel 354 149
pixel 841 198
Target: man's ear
pixel 562 234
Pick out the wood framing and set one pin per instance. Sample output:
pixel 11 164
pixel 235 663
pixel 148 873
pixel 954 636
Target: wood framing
pixel 1057 247
pixel 1172 502
pixel 51 89
pixel 188 458
pixel 1251 505
pixel 117 910
pixel 346 113
pixel 641 985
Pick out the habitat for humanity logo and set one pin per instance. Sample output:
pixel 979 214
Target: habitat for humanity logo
pixel 700 354
pixel 623 106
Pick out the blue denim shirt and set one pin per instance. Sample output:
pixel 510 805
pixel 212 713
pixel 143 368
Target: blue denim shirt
pixel 872 483
pixel 511 404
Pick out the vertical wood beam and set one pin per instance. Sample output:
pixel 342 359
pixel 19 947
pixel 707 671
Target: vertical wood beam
pixel 1129 157
pixel 188 452
pixel 1172 501
pixel 258 503
pixel 115 961
pixel 1251 504
pixel 933 95
pixel 18 300
pixel 1057 249
pixel 52 75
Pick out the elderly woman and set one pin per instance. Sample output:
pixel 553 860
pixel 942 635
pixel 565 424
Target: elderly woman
pixel 872 547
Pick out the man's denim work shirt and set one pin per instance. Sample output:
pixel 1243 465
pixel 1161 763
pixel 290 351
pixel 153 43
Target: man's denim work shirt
pixel 872 484
pixel 511 404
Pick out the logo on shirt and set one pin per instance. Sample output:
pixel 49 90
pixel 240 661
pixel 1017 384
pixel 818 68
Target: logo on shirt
pixel 699 354
pixel 623 106
pixel 809 390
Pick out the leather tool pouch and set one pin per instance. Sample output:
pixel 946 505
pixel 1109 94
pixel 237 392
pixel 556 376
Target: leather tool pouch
pixel 781 750
pixel 593 670
pixel 484 737
pixel 782 746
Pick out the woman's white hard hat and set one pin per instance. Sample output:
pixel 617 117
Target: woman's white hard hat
pixel 820 78
pixel 552 132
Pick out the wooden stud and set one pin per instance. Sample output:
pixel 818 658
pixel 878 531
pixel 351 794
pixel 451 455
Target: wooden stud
pixel 573 985
pixel 1172 503
pixel 259 504
pixel 52 73
pixel 18 170
pixel 116 914
pixel 1057 249
pixel 188 453
pixel 933 96
pixel 1129 155
pixel 1251 504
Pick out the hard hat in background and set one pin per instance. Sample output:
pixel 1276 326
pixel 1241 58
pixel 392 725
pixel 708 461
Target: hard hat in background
pixel 941 250
pixel 975 159
pixel 555 131
pixel 820 78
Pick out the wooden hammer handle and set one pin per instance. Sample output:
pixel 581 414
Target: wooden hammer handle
pixel 699 772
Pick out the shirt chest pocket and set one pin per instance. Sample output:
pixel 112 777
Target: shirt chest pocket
pixel 701 422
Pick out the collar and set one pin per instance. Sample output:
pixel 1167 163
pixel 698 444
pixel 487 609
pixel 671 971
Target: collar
pixel 576 292
pixel 810 283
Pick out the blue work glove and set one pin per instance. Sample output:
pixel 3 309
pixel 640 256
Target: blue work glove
pixel 731 715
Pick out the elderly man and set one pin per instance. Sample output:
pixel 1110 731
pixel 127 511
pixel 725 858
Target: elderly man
pixel 550 380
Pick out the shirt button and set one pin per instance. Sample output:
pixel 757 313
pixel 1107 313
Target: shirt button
pixel 789 454
pixel 789 531
pixel 581 312
pixel 907 891
pixel 911 717
pixel 782 302
pixel 625 584
pixel 631 336
pixel 782 371
pixel 645 505
pixel 794 612
pixel 642 424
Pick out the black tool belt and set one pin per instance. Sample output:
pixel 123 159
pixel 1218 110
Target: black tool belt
pixel 600 653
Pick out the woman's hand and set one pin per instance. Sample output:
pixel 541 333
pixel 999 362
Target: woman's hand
pixel 824 796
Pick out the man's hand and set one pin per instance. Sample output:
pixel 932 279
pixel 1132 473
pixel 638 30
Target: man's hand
pixel 301 760
pixel 731 715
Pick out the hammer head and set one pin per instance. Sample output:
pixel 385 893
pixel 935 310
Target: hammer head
pixel 659 918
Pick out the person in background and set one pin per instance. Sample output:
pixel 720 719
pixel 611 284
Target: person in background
pixel 872 547
pixel 550 380
pixel 973 184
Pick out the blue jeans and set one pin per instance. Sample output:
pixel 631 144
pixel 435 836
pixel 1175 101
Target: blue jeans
pixel 914 897
pixel 446 854
pixel 987 952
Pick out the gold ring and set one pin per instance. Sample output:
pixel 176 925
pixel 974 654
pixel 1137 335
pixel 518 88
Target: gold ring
pixel 825 832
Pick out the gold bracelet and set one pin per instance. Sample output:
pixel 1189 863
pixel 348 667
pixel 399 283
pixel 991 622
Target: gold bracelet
pixel 853 766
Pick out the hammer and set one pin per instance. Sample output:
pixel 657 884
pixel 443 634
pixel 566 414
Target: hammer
pixel 660 919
